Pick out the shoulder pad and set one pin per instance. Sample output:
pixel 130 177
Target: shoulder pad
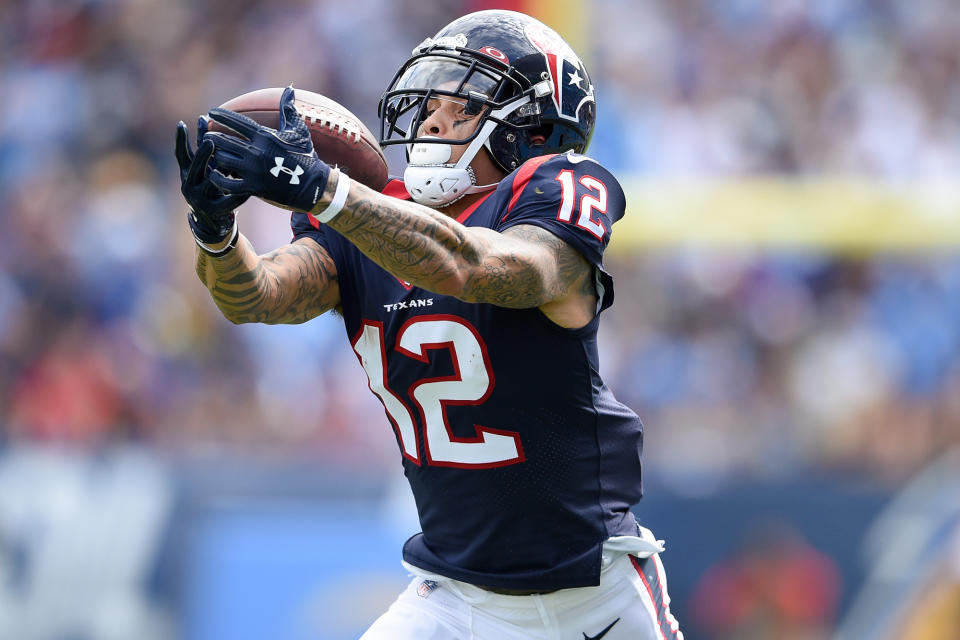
pixel 570 195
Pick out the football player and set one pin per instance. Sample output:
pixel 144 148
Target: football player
pixel 471 292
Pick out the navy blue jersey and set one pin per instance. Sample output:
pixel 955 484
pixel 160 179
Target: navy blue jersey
pixel 520 459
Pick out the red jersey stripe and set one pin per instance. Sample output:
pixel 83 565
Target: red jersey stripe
pixel 524 173
pixel 466 212
pixel 313 221
pixel 396 189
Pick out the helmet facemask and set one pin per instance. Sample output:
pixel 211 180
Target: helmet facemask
pixel 501 101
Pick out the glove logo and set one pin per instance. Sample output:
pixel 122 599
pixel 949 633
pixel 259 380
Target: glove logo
pixel 293 173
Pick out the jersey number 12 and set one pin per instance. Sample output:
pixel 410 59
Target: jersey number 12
pixel 470 384
pixel 588 202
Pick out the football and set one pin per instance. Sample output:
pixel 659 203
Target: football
pixel 338 136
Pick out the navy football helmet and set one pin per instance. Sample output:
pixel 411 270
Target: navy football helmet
pixel 532 92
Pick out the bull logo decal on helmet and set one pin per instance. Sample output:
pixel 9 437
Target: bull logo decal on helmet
pixel 493 52
pixel 571 85
pixel 532 94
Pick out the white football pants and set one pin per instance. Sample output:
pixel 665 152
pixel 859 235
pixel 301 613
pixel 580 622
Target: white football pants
pixel 631 602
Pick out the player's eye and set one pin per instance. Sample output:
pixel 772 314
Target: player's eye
pixel 464 112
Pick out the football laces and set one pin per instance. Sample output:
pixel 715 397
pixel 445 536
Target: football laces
pixel 331 121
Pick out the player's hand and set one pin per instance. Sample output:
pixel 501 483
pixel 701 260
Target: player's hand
pixel 278 165
pixel 211 216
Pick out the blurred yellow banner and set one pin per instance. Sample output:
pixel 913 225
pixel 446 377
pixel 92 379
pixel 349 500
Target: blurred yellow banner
pixel 848 216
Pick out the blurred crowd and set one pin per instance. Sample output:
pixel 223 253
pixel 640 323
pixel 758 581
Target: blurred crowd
pixel 742 363
pixel 858 87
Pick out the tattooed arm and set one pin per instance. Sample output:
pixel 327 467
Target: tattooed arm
pixel 523 267
pixel 288 286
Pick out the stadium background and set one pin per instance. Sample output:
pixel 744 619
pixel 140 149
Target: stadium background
pixel 787 320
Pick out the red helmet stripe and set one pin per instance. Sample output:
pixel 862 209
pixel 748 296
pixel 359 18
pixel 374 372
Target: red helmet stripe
pixel 556 70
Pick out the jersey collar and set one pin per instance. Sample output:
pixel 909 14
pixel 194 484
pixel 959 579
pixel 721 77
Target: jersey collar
pixel 396 189
pixel 469 210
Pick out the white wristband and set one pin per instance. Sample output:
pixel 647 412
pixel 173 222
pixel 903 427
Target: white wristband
pixel 234 233
pixel 339 199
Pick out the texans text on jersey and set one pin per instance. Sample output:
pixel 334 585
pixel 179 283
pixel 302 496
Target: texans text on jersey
pixel 409 304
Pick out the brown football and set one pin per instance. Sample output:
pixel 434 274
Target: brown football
pixel 338 136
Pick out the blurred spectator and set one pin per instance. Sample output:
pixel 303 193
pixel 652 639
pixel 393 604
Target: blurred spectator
pixel 775 587
pixel 741 363
pixel 744 363
pixel 696 87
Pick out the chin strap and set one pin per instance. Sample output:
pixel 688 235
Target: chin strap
pixel 441 186
pixel 431 181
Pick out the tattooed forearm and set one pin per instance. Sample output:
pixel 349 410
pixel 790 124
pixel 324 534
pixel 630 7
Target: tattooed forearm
pixel 524 267
pixel 414 242
pixel 290 285
pixel 561 270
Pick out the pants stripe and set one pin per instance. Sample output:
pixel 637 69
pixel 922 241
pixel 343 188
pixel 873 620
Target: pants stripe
pixel 649 575
pixel 662 578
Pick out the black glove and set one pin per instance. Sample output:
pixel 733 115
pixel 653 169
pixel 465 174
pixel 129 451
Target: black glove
pixel 278 165
pixel 211 216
